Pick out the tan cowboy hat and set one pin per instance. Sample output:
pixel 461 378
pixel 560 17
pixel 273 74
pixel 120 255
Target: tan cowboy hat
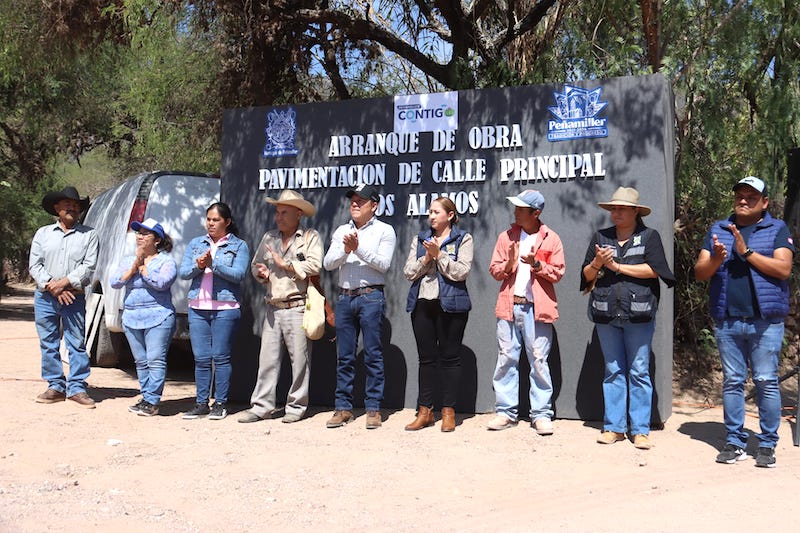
pixel 627 196
pixel 294 199
pixel 67 193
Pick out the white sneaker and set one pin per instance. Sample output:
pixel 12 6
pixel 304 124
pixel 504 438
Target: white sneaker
pixel 543 426
pixel 500 422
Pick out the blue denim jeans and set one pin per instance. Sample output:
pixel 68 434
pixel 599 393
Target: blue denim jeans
pixel 537 338
pixel 149 348
pixel 755 343
pixel 359 314
pixel 211 333
pixel 51 317
pixel 627 388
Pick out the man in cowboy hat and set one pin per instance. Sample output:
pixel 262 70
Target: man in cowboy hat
pixel 748 258
pixel 528 259
pixel 62 261
pixel 283 263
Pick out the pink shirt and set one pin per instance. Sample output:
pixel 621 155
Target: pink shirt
pixel 551 254
pixel 203 300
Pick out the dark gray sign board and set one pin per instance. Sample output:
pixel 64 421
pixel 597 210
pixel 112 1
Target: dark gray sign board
pixel 576 143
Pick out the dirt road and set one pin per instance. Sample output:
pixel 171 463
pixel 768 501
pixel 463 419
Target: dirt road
pixel 70 469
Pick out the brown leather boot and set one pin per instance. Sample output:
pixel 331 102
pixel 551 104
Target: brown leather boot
pixel 448 419
pixel 424 419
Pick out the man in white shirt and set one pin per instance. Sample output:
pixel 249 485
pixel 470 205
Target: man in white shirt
pixel 362 251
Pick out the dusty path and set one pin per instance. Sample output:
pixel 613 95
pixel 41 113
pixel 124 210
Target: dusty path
pixel 70 469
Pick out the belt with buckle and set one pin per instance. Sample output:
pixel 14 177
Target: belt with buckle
pixel 287 304
pixel 521 300
pixel 361 290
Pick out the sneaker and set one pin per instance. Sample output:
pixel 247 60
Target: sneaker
pixel 83 400
pixel 291 418
pixel 374 419
pixel 339 419
pixel 765 458
pixel 147 409
pixel 543 426
pixel 642 442
pixel 218 411
pixel 500 422
pixel 732 453
pixel 136 408
pixel 51 396
pixel 610 437
pixel 199 409
pixel 249 417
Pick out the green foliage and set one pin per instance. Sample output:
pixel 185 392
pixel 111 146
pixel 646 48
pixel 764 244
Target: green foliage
pixel 22 215
pixel 168 107
pixel 737 115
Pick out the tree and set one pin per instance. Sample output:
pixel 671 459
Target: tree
pixel 51 104
pixel 425 45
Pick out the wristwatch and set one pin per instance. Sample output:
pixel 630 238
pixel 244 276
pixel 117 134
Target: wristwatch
pixel 747 253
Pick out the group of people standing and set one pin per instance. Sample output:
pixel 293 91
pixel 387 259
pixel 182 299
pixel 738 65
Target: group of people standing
pixel 748 259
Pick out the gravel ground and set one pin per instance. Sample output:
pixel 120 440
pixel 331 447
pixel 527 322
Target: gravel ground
pixel 72 469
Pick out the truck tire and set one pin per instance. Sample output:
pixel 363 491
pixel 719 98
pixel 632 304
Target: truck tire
pixel 111 348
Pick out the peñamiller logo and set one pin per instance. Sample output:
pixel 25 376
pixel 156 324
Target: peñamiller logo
pixel 281 130
pixel 576 112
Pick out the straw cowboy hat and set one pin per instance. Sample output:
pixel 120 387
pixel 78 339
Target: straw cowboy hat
pixel 626 196
pixel 67 193
pixel 294 199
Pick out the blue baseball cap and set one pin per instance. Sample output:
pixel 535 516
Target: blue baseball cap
pixel 150 224
pixel 529 198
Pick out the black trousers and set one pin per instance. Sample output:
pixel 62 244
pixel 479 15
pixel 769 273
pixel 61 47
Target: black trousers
pixel 438 335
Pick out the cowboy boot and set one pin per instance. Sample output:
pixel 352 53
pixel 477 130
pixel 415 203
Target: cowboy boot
pixel 424 419
pixel 448 419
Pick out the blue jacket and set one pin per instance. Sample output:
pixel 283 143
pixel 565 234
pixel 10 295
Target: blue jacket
pixel 771 294
pixel 148 301
pixel 229 265
pixel 453 295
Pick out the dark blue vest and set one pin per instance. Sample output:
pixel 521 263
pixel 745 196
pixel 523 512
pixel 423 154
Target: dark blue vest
pixel 453 295
pixel 772 294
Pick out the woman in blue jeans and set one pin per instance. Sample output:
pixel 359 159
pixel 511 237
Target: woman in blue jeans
pixel 149 316
pixel 216 264
pixel 621 270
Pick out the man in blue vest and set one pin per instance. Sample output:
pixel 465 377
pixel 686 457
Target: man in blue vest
pixel 748 258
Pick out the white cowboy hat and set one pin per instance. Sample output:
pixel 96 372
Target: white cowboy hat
pixel 294 199
pixel 626 196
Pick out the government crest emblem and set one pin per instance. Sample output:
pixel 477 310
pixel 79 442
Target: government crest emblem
pixel 280 132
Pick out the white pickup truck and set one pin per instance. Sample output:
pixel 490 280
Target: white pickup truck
pixel 176 199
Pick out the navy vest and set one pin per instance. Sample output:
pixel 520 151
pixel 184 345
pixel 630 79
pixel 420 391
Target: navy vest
pixel 620 297
pixel 771 294
pixel 453 295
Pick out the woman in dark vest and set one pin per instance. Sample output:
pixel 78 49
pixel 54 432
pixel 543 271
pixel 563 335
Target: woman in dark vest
pixel 621 269
pixel 438 264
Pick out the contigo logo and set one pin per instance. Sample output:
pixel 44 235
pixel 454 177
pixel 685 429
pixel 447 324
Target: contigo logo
pixel 414 112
